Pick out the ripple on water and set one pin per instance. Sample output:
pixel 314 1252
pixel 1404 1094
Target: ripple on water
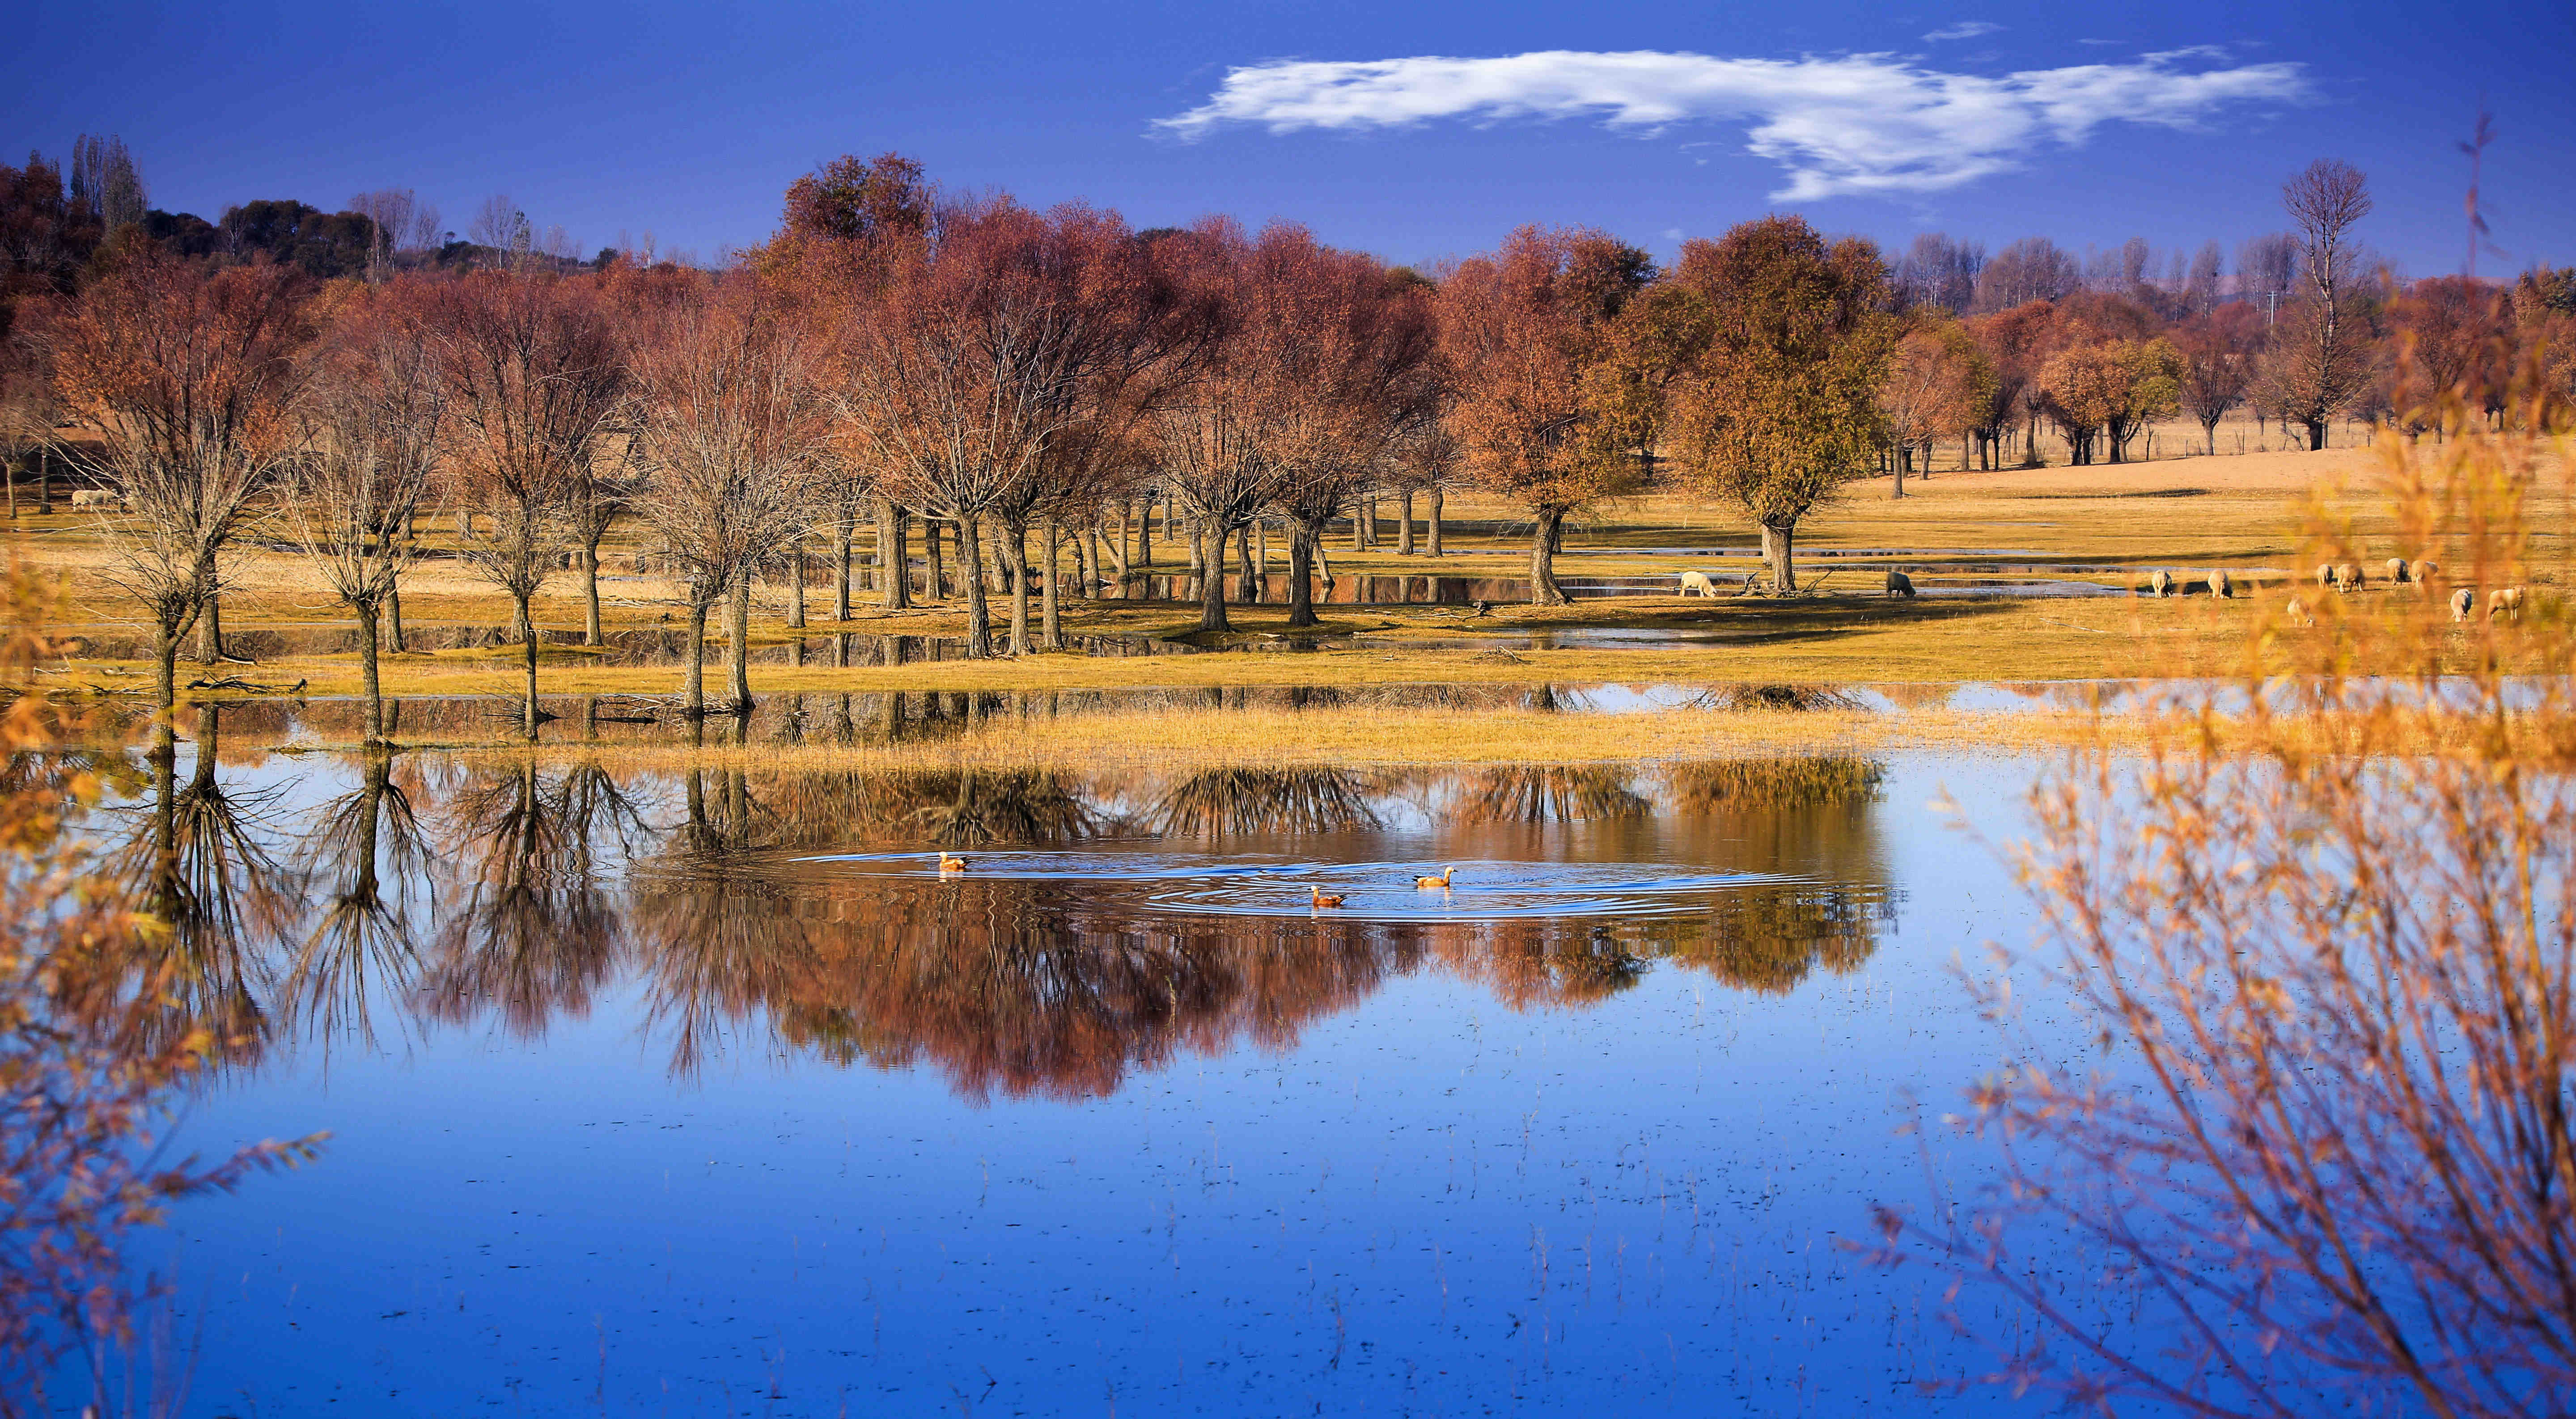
pixel 1273 886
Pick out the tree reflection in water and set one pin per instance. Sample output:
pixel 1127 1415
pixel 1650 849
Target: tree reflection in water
pixel 1524 793
pixel 548 884
pixel 536 930
pixel 1237 802
pixel 370 848
pixel 197 860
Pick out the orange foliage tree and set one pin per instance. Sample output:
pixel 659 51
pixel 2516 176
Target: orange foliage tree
pixel 1522 334
pixel 182 375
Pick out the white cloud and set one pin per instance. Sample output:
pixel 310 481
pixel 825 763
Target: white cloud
pixel 1852 124
pixel 1965 29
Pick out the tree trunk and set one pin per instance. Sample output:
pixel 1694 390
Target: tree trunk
pixel 979 611
pixel 1145 534
pixel 740 653
pixel 1051 607
pixel 165 672
pixel 937 578
pixel 1543 588
pixel 1086 561
pixel 2316 434
pixel 841 570
pixel 528 658
pixel 1899 464
pixel 1211 545
pixel 393 604
pixel 1404 529
pixel 695 686
pixel 1359 526
pixel 11 477
pixel 894 564
pixel 590 631
pixel 1198 549
pixel 367 612
pixel 1438 495
pixel 1013 552
pixel 796 582
pixel 1301 573
pixel 1251 590
pixel 1784 554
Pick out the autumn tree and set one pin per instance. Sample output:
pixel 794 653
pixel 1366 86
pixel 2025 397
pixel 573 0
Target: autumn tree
pixel 1344 350
pixel 1522 332
pixel 1781 408
pixel 2320 359
pixel 2453 334
pixel 372 408
pixel 844 227
pixel 182 376
pixel 1214 442
pixel 2216 354
pixel 732 441
pixel 533 375
pixel 1938 383
pixel 969 354
pixel 2012 344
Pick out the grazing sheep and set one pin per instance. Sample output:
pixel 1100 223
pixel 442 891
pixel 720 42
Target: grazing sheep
pixel 2161 585
pixel 2325 576
pixel 2463 601
pixel 2348 577
pixel 2424 572
pixel 1698 584
pixel 1899 584
pixel 2505 601
pixel 2220 586
pixel 2397 571
pixel 96 497
pixel 2297 613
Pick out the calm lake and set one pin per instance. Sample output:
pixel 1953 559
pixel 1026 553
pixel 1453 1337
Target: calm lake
pixel 711 1094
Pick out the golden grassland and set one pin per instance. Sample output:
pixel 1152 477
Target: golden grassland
pixel 2243 511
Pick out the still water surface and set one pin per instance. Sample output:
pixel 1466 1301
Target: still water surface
pixel 710 1094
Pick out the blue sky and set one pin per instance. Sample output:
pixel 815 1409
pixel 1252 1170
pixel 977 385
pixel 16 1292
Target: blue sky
pixel 1990 121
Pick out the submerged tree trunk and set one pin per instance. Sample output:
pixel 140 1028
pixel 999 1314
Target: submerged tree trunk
pixel 1211 545
pixel 528 658
pixel 740 655
pixel 367 612
pixel 1543 588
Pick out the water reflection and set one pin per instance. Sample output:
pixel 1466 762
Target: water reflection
pixel 1107 924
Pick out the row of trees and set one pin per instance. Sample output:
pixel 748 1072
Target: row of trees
pixel 1017 383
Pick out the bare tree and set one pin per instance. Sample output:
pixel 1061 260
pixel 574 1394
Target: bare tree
pixel 731 434
pixel 372 407
pixel 533 376
pixel 183 376
pixel 2319 363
